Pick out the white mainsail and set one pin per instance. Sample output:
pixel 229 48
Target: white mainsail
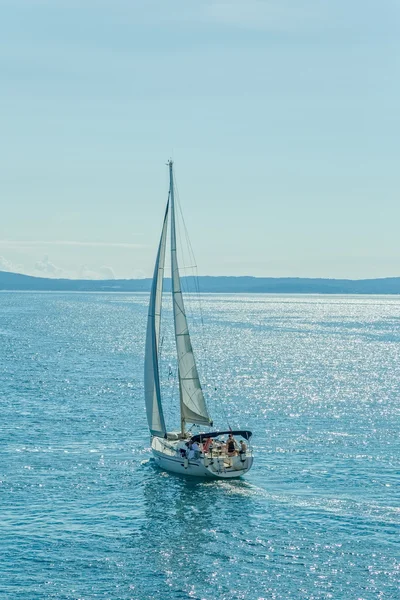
pixel 155 416
pixel 193 406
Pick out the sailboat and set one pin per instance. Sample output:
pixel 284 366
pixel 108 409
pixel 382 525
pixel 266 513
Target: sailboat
pixel 210 454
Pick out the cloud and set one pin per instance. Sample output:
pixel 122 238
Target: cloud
pixel 45 268
pixel 139 274
pixel 86 273
pixel 7 265
pixel 104 272
pixel 107 272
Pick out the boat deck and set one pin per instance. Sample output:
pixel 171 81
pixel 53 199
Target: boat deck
pixel 174 448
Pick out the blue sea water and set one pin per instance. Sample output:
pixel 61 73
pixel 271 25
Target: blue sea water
pixel 85 514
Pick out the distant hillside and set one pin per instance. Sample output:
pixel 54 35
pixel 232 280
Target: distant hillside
pixel 245 285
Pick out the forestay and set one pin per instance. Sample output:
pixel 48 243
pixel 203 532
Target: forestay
pixel 193 406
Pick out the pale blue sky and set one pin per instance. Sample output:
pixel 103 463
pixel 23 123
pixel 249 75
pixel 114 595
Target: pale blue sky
pixel 282 118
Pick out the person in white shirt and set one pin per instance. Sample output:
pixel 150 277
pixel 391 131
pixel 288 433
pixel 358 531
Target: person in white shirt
pixel 196 450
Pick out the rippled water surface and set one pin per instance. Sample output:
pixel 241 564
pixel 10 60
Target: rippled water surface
pixel 84 512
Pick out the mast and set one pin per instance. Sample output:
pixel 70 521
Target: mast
pixel 192 403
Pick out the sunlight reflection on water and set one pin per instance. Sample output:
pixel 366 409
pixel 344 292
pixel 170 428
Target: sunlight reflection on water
pixel 87 515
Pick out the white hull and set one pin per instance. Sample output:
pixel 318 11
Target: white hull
pixel 167 457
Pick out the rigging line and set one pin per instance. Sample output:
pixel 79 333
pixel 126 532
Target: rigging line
pixel 191 254
pixel 185 287
pixel 194 274
pixel 184 284
pixel 187 267
pixel 205 350
pixel 226 416
pixel 172 391
pixel 195 280
pixel 197 287
pixel 169 380
pixel 184 222
pixel 160 348
pixel 167 365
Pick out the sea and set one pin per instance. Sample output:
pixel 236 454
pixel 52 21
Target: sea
pixel 86 514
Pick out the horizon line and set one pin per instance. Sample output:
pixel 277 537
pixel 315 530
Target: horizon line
pixel 296 277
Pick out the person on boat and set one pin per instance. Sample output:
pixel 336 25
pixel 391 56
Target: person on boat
pixel 196 450
pixel 207 445
pixel 243 447
pixel 231 445
pixel 189 451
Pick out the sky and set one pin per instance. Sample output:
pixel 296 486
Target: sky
pixel 282 118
